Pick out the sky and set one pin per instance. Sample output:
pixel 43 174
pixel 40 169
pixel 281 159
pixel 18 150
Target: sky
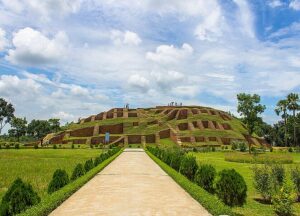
pixel 72 58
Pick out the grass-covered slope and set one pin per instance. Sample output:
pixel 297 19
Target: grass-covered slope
pixel 187 126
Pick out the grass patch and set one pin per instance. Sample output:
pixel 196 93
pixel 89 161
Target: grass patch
pixel 259 158
pixel 208 201
pixel 36 166
pixel 252 207
pixel 50 202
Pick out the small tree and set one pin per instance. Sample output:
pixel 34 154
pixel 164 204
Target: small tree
pixel 205 177
pixel 263 182
pixel 60 179
pixel 6 113
pixel 77 172
pixel 283 200
pixel 295 173
pixel 249 108
pixel 18 126
pixel 18 198
pixel 231 188
pixel 88 165
pixel 188 166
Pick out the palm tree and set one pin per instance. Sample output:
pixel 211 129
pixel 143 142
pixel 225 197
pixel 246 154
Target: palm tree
pixel 293 100
pixel 282 107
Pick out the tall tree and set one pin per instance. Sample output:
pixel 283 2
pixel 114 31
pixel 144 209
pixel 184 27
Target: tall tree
pixel 293 105
pixel 249 108
pixel 19 127
pixel 39 128
pixel 54 125
pixel 282 107
pixel 6 113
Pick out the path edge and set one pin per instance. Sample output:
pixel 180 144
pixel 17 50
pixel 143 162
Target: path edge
pixel 211 203
pixel 50 203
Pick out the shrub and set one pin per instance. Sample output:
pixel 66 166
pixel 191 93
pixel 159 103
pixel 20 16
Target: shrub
pixel 242 146
pixel 78 146
pixel 283 201
pixel 271 149
pixel 54 146
pixel 188 166
pixel 60 179
pixel 17 146
pixel 72 146
pixel 231 188
pixel 234 144
pixel 36 146
pixel 259 158
pixel 59 145
pixel 226 147
pixel 213 149
pixel 263 181
pixel 88 165
pixel 18 197
pixel 290 149
pixel 176 160
pixel 0 146
pixel 278 174
pixel 295 173
pixel 205 177
pixel 7 146
pixel 77 172
pixel 129 146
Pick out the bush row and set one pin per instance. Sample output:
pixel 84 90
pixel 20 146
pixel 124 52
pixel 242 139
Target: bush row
pixel 21 196
pixel 274 185
pixel 228 185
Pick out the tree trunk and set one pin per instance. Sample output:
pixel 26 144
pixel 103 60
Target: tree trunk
pixel 285 131
pixel 294 115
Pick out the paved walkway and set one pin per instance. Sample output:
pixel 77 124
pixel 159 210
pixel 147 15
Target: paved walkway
pixel 131 185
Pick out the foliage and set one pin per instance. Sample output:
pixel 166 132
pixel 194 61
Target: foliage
pixel 176 159
pixel 263 181
pixel 54 146
pixel 18 127
pixel 205 177
pixel 188 166
pixel 283 200
pixel 293 105
pixel 295 173
pixel 18 198
pixel 281 107
pixel 278 175
pixel 207 200
pixel 6 113
pixel 231 187
pixel 60 179
pixel 258 158
pixel 249 107
pixel 88 165
pixel 77 172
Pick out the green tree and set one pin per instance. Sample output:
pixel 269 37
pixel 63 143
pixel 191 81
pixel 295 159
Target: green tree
pixel 282 107
pixel 293 105
pixel 19 127
pixel 249 108
pixel 39 128
pixel 6 113
pixel 54 125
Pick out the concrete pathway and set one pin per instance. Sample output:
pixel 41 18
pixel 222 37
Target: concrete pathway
pixel 131 185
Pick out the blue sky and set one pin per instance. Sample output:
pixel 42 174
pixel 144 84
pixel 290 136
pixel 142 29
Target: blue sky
pixel 72 58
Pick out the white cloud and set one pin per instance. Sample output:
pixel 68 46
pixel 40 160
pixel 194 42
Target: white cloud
pixel 127 37
pixel 45 9
pixel 295 4
pixel 79 91
pixel 64 116
pixel 31 47
pixel 169 53
pixel 186 91
pixel 275 3
pixel 3 39
pixel 138 82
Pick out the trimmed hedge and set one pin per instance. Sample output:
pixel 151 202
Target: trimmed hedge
pixel 205 177
pixel 77 172
pixel 207 200
pixel 49 203
pixel 60 179
pixel 18 198
pixel 231 187
pixel 188 166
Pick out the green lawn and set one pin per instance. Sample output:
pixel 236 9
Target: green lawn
pixel 37 165
pixel 252 207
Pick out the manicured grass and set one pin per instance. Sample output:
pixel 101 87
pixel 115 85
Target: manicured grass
pixel 208 201
pixel 252 207
pixel 36 166
pixel 244 157
pixel 50 202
